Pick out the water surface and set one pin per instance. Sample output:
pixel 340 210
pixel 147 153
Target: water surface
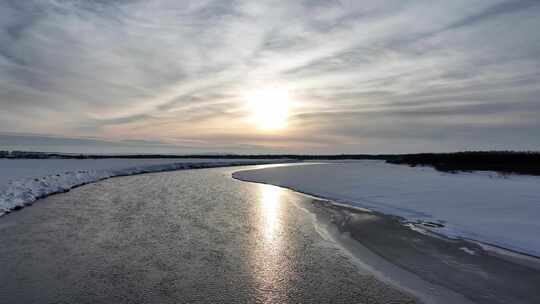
pixel 194 236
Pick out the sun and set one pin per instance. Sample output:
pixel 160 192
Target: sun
pixel 269 108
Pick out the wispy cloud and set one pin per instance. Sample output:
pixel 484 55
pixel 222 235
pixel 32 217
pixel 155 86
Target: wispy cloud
pixel 366 76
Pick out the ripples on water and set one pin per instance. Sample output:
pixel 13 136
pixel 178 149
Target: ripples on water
pixel 178 237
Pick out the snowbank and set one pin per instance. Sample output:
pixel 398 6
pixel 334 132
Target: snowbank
pixel 22 181
pixel 484 206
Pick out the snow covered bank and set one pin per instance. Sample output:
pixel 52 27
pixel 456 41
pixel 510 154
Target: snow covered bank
pixel 502 211
pixel 22 181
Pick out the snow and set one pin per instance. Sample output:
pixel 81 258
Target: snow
pixel 22 181
pixel 485 206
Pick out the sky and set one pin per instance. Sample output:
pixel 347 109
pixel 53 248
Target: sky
pixel 240 76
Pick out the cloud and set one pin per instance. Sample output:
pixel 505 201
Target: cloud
pixel 365 76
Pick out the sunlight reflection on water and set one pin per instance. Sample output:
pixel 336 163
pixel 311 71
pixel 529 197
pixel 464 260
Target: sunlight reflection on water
pixel 268 259
pixel 270 206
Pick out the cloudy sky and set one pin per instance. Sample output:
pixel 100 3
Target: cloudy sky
pixel 340 76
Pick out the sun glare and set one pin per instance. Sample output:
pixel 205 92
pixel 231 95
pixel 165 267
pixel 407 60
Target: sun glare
pixel 269 108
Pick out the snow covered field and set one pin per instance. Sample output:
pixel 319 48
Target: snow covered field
pixel 22 181
pixel 483 206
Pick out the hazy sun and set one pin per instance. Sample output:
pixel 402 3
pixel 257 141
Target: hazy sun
pixel 269 108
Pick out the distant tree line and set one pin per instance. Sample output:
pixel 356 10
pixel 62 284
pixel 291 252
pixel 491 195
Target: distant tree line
pixel 501 161
pixel 43 155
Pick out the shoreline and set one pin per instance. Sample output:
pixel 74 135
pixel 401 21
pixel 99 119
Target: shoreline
pixel 482 273
pixel 463 266
pixel 465 206
pixel 496 249
pixel 23 193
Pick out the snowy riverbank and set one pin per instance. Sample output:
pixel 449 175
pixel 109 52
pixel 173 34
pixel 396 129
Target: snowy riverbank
pixel 23 181
pixel 483 206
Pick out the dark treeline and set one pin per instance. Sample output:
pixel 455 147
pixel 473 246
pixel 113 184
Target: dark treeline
pixel 45 155
pixel 501 161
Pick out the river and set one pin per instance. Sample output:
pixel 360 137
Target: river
pixel 195 236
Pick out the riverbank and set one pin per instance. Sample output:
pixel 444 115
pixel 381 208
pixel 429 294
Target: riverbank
pixel 465 267
pixel 481 206
pixel 23 181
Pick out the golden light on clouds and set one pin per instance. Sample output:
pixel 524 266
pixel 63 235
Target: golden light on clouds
pixel 269 108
